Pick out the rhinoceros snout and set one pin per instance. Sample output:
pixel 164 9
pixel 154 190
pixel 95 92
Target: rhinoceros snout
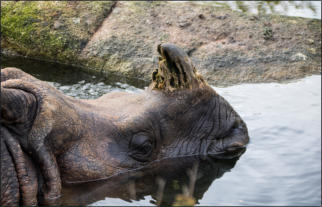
pixel 237 138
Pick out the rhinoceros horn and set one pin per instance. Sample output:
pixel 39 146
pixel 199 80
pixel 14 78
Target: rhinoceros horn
pixel 176 70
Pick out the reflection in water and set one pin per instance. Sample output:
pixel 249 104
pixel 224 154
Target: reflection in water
pixel 308 9
pixel 171 181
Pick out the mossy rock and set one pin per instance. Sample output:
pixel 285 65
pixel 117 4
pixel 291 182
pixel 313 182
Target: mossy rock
pixel 55 31
pixel 227 47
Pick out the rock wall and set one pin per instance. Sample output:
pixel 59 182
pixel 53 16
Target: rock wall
pixel 228 47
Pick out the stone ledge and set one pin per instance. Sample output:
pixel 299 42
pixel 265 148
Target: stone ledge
pixel 228 47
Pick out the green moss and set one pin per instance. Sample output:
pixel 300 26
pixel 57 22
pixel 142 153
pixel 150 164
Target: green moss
pixel 268 33
pixel 22 27
pixel 315 25
pixel 50 30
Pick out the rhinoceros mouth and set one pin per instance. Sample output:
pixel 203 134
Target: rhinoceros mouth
pixel 229 153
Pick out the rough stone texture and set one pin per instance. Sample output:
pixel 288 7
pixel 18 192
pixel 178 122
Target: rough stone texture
pixel 56 31
pixel 228 47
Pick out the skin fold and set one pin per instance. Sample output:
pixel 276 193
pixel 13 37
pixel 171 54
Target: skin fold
pixel 51 139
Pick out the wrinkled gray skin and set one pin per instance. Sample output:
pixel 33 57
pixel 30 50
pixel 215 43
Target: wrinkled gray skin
pixel 76 141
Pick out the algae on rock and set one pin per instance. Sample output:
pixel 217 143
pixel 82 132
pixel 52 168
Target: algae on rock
pixel 50 30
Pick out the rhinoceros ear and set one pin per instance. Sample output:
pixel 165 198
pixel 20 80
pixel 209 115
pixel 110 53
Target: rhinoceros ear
pixel 176 70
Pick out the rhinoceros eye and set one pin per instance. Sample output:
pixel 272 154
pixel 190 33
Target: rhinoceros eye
pixel 140 147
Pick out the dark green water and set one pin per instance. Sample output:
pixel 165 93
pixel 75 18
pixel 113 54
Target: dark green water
pixel 282 164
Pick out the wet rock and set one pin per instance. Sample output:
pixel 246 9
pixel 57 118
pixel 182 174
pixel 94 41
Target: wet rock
pixel 220 17
pixel 76 20
pixel 231 40
pixel 310 41
pixel 54 31
pixel 121 38
pixel 312 50
pixel 268 33
pixel 254 18
pixel 184 23
pixel 298 57
pixel 201 16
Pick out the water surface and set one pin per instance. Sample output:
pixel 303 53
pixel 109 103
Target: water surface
pixel 282 164
pixel 306 9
